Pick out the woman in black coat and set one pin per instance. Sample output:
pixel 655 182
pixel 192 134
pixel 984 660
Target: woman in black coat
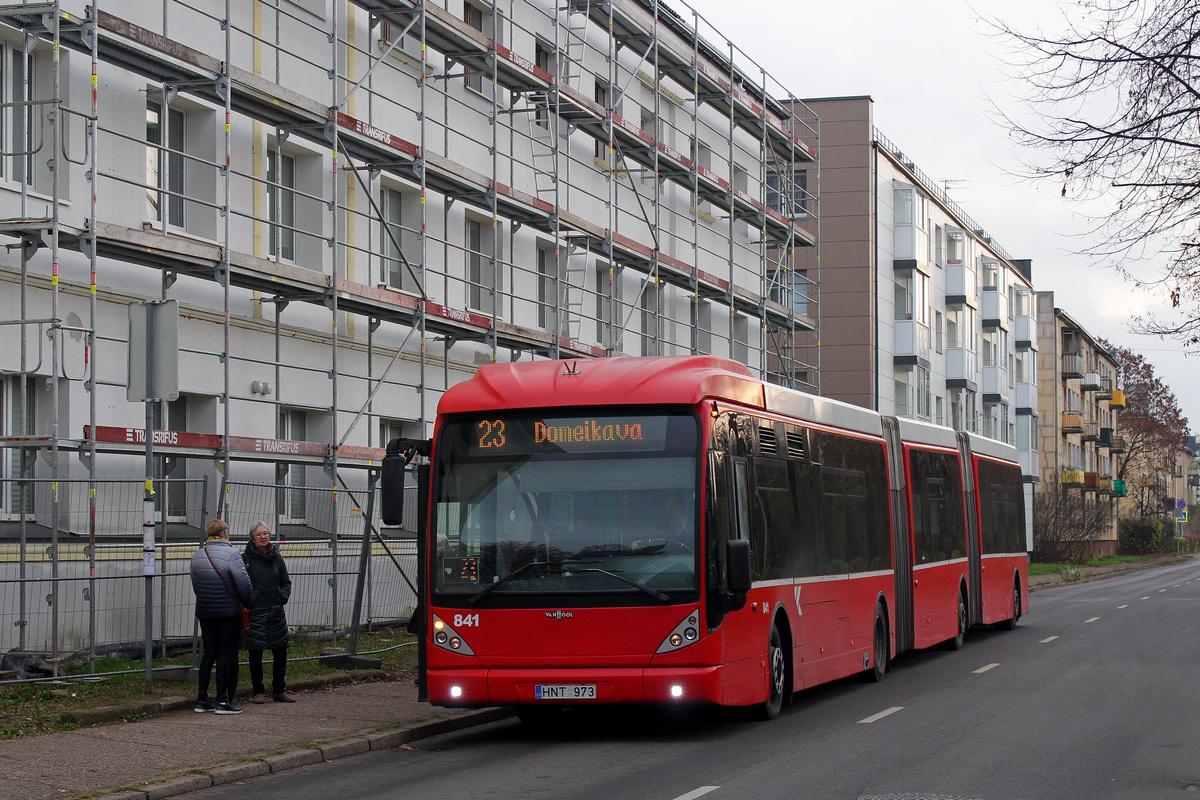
pixel 268 624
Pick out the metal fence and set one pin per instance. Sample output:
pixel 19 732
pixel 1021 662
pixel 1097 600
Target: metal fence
pixel 72 578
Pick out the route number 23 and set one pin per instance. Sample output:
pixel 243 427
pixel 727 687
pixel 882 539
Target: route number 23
pixel 491 433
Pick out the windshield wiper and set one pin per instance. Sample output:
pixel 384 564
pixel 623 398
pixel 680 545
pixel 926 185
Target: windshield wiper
pixel 485 591
pixel 641 587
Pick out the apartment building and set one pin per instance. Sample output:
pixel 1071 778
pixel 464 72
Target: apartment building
pixel 1077 436
pixel 922 313
pixel 353 204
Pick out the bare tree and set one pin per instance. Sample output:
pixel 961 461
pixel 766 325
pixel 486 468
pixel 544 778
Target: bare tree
pixel 1066 523
pixel 1116 108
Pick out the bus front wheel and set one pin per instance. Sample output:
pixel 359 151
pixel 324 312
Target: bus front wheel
pixel 777 665
pixel 878 670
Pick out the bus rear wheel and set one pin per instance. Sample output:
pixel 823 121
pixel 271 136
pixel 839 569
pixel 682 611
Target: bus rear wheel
pixel 955 642
pixel 879 670
pixel 1011 624
pixel 777 665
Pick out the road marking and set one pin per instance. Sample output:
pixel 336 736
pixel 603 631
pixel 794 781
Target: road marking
pixel 694 793
pixel 1124 606
pixel 1089 621
pixel 1143 598
pixel 1048 639
pixel 880 715
pixel 1160 591
pixel 982 670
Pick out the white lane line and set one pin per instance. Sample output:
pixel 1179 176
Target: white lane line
pixel 1089 621
pixel 1143 598
pixel 982 670
pixel 880 715
pixel 1160 591
pixel 1124 606
pixel 694 793
pixel 1048 639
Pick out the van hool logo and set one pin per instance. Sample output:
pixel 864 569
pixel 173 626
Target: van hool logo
pixel 560 614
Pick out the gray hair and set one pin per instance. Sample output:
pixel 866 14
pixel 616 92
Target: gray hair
pixel 257 525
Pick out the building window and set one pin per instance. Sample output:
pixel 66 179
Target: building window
pixel 483 279
pixel 172 500
pixel 788 197
pixel 281 204
pixel 903 196
pixel 165 164
pixel 290 499
pixel 17 419
pixel 397 242
pixel 650 319
pixel 547 278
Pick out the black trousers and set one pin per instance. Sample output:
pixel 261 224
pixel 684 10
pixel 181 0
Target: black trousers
pixel 278 671
pixel 219 639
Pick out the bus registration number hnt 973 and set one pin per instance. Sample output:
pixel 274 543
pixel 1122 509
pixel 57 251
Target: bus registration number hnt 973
pixel 570 691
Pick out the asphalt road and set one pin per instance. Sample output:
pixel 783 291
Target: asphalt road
pixel 1094 696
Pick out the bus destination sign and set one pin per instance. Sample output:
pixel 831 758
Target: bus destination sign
pixel 511 435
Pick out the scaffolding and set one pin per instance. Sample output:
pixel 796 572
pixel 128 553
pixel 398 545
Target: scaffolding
pixel 355 204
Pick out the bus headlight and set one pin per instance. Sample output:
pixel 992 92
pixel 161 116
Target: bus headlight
pixel 685 633
pixel 447 638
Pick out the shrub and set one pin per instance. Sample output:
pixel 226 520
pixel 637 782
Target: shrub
pixel 1141 536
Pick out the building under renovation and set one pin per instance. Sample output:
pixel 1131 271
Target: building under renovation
pixel 272 233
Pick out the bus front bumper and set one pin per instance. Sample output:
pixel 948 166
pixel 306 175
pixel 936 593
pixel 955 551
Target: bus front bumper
pixel 474 688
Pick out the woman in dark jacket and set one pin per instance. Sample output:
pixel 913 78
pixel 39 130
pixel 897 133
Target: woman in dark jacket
pixel 268 625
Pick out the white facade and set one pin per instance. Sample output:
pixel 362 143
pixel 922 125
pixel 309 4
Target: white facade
pixel 357 203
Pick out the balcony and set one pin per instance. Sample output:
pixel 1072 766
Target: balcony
pixel 1091 432
pixel 995 381
pixel 1105 391
pixel 1106 485
pixel 1072 422
pixel 1106 437
pixel 1118 444
pixel 962 364
pixel 1072 477
pixel 1119 488
pixel 1072 365
pixel 1118 399
pixel 994 310
pixel 1193 480
pixel 960 285
pixel 912 339
pixel 1091 481
pixel 1025 331
pixel 1090 382
pixel 1025 396
pixel 1029 462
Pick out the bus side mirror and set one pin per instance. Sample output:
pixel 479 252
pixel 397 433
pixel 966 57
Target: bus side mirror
pixel 737 560
pixel 391 486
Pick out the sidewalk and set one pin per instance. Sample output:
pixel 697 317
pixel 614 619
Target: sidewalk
pixel 1086 574
pixel 182 751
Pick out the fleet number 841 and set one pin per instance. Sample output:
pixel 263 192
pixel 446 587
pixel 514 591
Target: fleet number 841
pixel 466 620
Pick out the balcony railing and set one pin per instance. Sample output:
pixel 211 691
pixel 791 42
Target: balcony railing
pixel 1072 477
pixel 1105 392
pixel 1119 488
pixel 1106 437
pixel 1072 365
pixel 1118 399
pixel 1091 481
pixel 1106 485
pixel 1118 444
pixel 1091 431
pixel 1072 422
pixel 1090 381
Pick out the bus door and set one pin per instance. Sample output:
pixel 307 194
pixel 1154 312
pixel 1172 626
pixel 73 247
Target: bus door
pixel 974 556
pixel 901 546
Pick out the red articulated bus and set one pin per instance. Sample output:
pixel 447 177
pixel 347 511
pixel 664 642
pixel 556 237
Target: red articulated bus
pixel 674 530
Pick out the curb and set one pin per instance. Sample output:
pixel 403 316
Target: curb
pixel 301 757
pixel 101 714
pixel 1057 579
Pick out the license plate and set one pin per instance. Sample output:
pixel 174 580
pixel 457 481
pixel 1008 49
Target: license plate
pixel 570 691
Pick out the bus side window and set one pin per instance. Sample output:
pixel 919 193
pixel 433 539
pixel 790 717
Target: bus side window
pixel 741 481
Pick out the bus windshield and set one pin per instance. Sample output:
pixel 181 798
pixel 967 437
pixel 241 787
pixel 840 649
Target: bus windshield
pixel 536 504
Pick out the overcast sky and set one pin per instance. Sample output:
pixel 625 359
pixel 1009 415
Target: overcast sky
pixel 934 72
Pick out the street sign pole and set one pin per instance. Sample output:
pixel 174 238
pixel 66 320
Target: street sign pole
pixel 153 378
